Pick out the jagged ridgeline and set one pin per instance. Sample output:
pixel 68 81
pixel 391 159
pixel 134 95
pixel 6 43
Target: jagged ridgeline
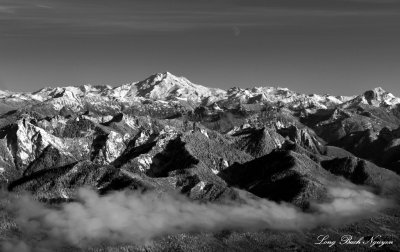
pixel 167 134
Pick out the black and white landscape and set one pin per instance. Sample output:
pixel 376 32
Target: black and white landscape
pixel 165 164
pixel 284 134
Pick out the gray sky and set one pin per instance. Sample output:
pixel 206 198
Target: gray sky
pixel 310 46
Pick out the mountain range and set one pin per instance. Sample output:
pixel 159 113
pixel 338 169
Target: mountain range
pixel 167 134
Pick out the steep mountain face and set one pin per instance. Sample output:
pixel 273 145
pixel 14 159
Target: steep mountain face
pixel 166 86
pixel 166 133
pixel 376 97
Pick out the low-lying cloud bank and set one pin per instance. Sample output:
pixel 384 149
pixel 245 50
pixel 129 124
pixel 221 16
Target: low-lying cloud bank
pixel 136 218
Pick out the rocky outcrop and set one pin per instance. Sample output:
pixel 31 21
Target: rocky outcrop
pixel 258 142
pixel 304 137
pixel 106 148
pixel 29 146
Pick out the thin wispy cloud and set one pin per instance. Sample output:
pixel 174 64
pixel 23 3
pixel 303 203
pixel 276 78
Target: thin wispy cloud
pixel 7 9
pixel 43 6
pixel 104 17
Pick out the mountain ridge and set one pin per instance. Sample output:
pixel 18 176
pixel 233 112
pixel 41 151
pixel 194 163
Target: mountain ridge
pixel 168 87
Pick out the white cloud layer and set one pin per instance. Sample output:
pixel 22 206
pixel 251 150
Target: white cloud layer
pixel 136 218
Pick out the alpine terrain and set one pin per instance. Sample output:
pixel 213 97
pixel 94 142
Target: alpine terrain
pixel 168 136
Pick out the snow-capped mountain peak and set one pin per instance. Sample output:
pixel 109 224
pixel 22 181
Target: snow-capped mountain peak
pixel 380 95
pixel 377 97
pixel 166 87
